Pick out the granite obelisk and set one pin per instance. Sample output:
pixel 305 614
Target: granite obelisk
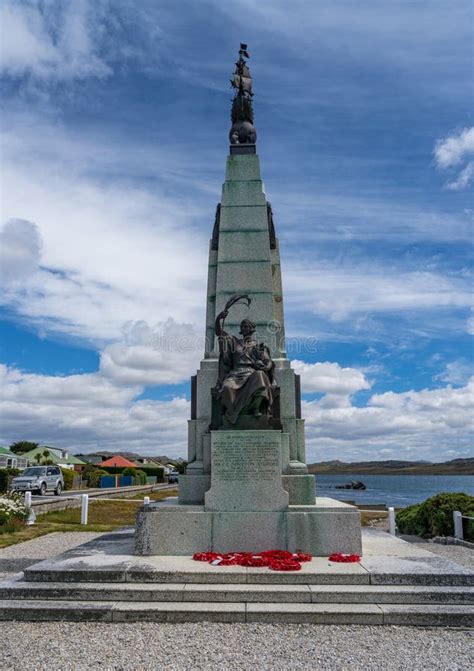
pixel 244 257
pixel 246 485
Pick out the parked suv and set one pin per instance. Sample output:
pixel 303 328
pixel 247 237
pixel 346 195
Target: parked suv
pixel 39 479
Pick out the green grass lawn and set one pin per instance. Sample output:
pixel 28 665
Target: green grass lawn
pixel 104 515
pixel 366 518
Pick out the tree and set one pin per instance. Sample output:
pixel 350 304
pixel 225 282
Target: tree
pixel 22 446
pixel 181 467
pixel 38 457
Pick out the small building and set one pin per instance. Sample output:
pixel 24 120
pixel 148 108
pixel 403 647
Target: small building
pixel 57 455
pixel 11 460
pixel 118 462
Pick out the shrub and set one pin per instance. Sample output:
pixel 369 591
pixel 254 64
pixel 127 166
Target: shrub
pixel 181 467
pixel 130 471
pixel 141 475
pixel 120 470
pixel 93 474
pixel 154 470
pixel 6 476
pixel 68 476
pixel 434 517
pixel 13 511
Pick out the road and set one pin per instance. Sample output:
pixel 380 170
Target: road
pixel 98 493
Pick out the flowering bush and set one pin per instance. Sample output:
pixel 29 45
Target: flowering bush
pixel 13 511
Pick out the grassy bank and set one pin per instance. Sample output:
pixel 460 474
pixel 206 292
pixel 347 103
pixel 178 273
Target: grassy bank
pixel 105 515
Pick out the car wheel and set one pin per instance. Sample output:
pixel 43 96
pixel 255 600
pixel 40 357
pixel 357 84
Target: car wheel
pixel 58 489
pixel 42 490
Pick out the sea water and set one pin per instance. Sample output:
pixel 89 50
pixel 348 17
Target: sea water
pixel 392 490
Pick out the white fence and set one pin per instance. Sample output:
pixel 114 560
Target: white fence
pixel 84 506
pixel 458 529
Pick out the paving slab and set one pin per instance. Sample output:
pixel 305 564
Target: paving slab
pixel 56 611
pixel 319 571
pixel 90 591
pixel 106 558
pixel 392 594
pixel 428 615
pixel 386 561
pixel 248 593
pixel 315 613
pixel 416 570
pixel 182 569
pixel 179 612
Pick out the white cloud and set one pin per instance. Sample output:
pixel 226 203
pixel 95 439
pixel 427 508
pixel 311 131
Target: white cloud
pixel 88 412
pixel 470 324
pixel 428 424
pixel 463 179
pixel 452 151
pixel 329 378
pixel 72 390
pixel 58 41
pixel 456 372
pixel 112 251
pixel 166 354
pixel 51 40
pixel 366 216
pixel 340 292
pixel 20 249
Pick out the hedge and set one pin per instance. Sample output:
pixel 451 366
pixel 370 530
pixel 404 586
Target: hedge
pixel 117 470
pixel 6 476
pixel 434 517
pixel 68 476
pixel 92 474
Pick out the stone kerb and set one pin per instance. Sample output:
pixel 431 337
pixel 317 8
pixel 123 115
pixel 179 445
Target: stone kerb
pixel 246 472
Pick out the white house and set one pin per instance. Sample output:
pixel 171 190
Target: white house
pixel 11 460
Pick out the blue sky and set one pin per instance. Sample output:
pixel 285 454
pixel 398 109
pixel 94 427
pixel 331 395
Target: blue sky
pixel 114 140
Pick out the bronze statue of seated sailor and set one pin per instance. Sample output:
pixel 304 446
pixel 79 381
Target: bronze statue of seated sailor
pixel 245 385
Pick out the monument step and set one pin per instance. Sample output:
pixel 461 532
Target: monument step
pixel 194 592
pixel 317 572
pixel 317 613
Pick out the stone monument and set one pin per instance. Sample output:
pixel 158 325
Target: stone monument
pixel 246 485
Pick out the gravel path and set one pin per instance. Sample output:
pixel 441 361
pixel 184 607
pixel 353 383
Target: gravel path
pixel 17 557
pixel 252 647
pixel 81 646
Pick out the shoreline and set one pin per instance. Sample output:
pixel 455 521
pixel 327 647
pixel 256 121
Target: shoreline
pixel 317 470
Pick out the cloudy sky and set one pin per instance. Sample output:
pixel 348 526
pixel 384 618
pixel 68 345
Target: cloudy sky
pixel 114 141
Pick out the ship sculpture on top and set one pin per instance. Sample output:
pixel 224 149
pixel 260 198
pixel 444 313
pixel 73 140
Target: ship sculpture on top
pixel 242 131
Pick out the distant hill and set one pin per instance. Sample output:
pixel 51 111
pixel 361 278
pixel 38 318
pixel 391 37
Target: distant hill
pixel 392 467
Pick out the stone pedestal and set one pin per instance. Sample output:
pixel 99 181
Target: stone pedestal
pixel 246 472
pixel 328 526
pixel 246 506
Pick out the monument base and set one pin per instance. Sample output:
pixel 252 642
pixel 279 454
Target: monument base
pixel 192 488
pixel 324 528
pixel 300 488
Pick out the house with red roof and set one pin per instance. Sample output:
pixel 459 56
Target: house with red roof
pixel 118 461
